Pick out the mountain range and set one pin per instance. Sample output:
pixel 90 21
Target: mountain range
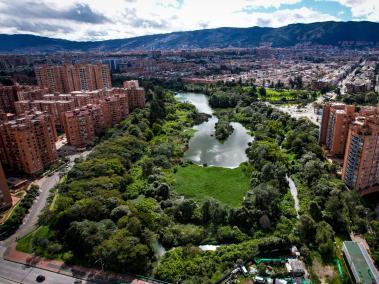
pixel 358 34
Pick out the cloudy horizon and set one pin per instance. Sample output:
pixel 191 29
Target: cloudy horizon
pixel 85 20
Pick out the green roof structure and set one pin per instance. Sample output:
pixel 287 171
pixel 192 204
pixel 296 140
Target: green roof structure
pixel 360 264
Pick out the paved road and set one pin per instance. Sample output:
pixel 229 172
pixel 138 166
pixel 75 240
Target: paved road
pixel 30 221
pixel 307 111
pixel 45 184
pixel 11 272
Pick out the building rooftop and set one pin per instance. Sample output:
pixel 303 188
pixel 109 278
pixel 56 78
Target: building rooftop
pixel 360 263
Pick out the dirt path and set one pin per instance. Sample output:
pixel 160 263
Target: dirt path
pixel 325 273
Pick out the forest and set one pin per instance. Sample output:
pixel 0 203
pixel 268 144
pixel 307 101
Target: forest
pixel 115 207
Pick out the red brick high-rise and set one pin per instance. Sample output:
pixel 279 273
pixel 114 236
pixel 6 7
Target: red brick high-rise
pixel 68 78
pixel 28 143
pixel 334 128
pixel 356 136
pixel 124 104
pixel 111 110
pixel 51 77
pixel 8 97
pixel 79 127
pixel 98 119
pixel 54 108
pixel 31 93
pixel 5 195
pixel 6 116
pixel 83 98
pixel 131 84
pixel 98 110
pixel 136 94
pixel 361 162
pixel 82 124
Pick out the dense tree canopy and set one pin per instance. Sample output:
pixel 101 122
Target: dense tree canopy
pixel 115 207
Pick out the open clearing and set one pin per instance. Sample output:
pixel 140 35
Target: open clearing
pixel 226 185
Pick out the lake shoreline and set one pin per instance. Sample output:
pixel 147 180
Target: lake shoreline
pixel 204 148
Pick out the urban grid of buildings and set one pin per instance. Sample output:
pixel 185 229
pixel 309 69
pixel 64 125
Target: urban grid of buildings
pixel 320 67
pixel 78 100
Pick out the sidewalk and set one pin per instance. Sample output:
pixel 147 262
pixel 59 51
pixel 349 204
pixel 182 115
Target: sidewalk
pixel 87 274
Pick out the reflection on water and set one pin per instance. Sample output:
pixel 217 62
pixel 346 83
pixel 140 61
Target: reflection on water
pixel 204 148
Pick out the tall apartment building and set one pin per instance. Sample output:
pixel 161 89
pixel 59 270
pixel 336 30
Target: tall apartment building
pixel 335 127
pixel 131 84
pixel 124 104
pixel 51 77
pixel 8 96
pixel 98 119
pixel 361 162
pixel 54 108
pixel 83 98
pixel 31 93
pixel 5 195
pixel 98 110
pixel 79 127
pixel 6 116
pixel 83 124
pixel 68 78
pixel 115 108
pixel 28 143
pixel 136 94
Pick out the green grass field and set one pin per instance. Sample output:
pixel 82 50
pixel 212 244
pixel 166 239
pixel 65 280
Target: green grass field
pixel 276 95
pixel 25 243
pixel 226 185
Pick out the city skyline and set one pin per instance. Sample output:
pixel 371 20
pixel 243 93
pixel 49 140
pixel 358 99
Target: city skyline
pixel 96 20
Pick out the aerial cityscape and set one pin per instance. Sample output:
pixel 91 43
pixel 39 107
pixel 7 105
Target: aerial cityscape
pixel 181 141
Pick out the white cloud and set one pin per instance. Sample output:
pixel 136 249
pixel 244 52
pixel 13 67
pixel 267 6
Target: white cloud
pixel 362 9
pixel 271 3
pixel 286 17
pixel 106 19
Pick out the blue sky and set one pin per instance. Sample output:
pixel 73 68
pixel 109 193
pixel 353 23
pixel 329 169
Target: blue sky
pixel 333 8
pixel 106 19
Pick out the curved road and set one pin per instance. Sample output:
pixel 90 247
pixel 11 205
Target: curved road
pixel 45 185
pixel 30 221
pixel 11 272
